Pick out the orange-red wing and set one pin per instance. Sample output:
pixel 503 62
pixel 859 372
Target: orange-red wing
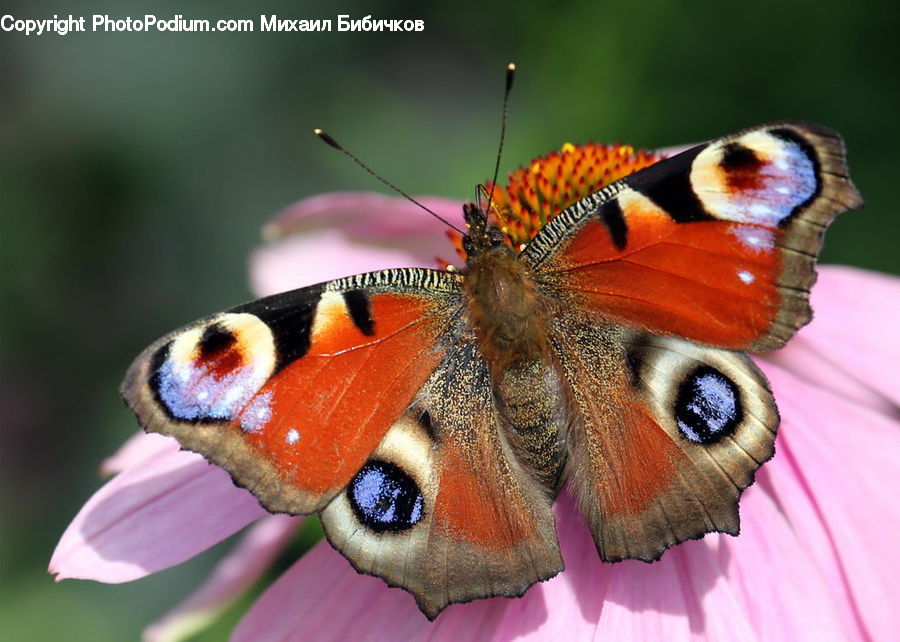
pixel 665 434
pixel 716 245
pixel 694 280
pixel 292 393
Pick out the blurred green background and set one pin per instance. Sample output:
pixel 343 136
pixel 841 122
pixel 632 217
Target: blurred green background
pixel 137 168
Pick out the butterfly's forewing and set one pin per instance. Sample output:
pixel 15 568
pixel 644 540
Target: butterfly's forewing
pixel 716 244
pixel 291 393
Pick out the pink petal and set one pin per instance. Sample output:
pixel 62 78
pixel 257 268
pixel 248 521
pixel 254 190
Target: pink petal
pixel 476 620
pixel 715 611
pixel 369 215
pixel 805 361
pixel 777 579
pixel 155 515
pixel 324 255
pixel 334 235
pixel 233 575
pixel 854 335
pixel 835 476
pixel 684 596
pixel 644 602
pixel 140 447
pixel 568 605
pixel 322 596
pixel 675 599
pixel 674 150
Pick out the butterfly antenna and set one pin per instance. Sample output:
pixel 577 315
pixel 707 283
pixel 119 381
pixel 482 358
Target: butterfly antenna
pixel 510 74
pixel 333 143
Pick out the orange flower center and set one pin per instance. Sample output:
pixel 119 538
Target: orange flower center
pixel 553 182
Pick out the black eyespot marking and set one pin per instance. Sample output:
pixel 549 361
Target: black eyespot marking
pixel 157 361
pixel 634 359
pixel 216 340
pixel 290 318
pixel 385 498
pixel 789 135
pixel 708 406
pixel 614 220
pixel 743 168
pixel 357 303
pixel 427 424
pixel 668 184
pixel 738 157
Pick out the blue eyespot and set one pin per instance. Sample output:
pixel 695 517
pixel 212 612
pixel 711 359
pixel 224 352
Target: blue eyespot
pixel 385 498
pixel 708 406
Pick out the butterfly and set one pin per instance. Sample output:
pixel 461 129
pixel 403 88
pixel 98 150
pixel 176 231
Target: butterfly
pixel 431 417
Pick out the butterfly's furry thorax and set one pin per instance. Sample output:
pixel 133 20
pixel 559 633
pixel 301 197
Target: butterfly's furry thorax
pixel 505 308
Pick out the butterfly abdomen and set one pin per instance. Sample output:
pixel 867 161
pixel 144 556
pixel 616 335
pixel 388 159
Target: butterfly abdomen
pixel 528 397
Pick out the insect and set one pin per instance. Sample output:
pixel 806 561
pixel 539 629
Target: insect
pixel 431 417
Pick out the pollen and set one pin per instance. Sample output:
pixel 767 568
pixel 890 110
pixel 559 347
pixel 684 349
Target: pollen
pixel 534 194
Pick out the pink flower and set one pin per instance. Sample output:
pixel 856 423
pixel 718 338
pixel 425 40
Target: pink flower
pixel 815 560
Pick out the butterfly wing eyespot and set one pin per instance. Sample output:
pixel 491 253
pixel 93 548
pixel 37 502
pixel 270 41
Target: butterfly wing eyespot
pixel 211 372
pixel 717 244
pixel 708 406
pixel 384 497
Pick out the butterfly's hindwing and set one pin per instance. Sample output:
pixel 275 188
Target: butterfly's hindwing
pixel 443 507
pixel 665 435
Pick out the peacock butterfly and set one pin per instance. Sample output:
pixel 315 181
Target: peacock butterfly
pixel 432 416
